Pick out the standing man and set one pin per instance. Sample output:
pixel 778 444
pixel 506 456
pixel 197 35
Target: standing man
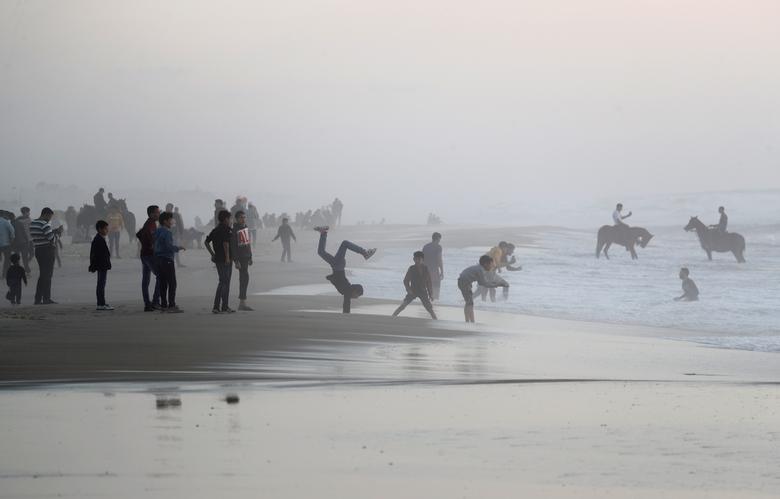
pixel 23 241
pixel 148 265
pixel 7 236
pixel 337 206
pixel 285 232
pixel 178 232
pixel 241 249
pixel 220 238
pixel 44 239
pixel 253 221
pixel 433 260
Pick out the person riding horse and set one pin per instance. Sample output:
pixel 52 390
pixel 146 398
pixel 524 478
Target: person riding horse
pixel 723 223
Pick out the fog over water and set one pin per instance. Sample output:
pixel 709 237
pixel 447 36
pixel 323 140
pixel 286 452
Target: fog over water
pixel 400 109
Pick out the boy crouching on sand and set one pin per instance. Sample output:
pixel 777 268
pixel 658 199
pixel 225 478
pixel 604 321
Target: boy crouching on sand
pixel 476 273
pixel 14 277
pixel 100 262
pixel 690 291
pixel 338 263
pixel 417 282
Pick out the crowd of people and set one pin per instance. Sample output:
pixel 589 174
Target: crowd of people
pixel 229 244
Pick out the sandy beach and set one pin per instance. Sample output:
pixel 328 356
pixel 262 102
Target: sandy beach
pixel 366 405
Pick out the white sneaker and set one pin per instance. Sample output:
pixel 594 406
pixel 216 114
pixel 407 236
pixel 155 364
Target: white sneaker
pixel 369 253
pixel 322 228
pixel 104 307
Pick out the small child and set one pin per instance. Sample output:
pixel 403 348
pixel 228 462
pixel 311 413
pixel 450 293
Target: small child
pixel 418 285
pixel 14 277
pixel 690 291
pixel 476 273
pixel 100 262
pixel 164 253
pixel 338 263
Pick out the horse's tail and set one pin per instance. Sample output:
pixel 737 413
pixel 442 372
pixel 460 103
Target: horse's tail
pixel 599 244
pixel 740 249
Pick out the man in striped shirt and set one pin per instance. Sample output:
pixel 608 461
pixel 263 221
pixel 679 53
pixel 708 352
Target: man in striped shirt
pixel 43 238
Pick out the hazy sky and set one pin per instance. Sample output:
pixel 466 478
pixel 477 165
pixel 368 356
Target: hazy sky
pixel 411 105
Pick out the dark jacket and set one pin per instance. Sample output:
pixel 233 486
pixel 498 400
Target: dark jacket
pixel 99 255
pixel 417 281
pixel 146 237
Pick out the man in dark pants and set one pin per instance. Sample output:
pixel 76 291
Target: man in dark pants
pixel 338 263
pixel 148 266
pixel 44 239
pixel 241 249
pixel 417 282
pixel 100 262
pixel 285 232
pixel 220 238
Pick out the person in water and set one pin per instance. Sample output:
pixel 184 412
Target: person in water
pixel 723 223
pixel 476 273
pixel 690 291
pixel 338 263
pixel 618 217
pixel 417 282
pixel 433 260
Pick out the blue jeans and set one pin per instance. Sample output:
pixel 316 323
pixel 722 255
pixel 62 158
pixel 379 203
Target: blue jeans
pixel 102 277
pixel 149 267
pixel 339 260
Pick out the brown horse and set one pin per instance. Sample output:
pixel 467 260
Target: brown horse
pixel 714 240
pixel 624 236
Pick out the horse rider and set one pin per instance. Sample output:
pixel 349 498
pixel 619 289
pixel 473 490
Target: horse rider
pixel 723 223
pixel 618 217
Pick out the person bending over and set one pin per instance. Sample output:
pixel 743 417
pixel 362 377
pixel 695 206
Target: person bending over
pixel 338 263
pixel 476 273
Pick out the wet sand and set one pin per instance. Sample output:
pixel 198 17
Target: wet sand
pixel 367 405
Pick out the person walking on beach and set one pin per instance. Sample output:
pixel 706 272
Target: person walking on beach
pixel 100 262
pixel 253 221
pixel 7 237
pixel 690 291
pixel 417 282
pixel 241 249
pixel 164 251
pixel 44 239
pixel 14 278
pixel 220 238
pixel 338 263
pixel 115 225
pixel 435 263
pixel 148 264
pixel 285 233
pixel 337 208
pixel 476 273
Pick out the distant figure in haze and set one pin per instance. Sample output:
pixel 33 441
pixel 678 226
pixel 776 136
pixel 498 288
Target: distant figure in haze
pixel 219 205
pixel 71 216
pixel 337 208
pixel 100 262
pixel 253 221
pixel 241 249
pixel 44 238
pixel 178 233
pixel 285 233
pixel 690 291
pixel 148 263
pixel 723 223
pixel 14 277
pixel 23 242
pixel 99 201
pixel 112 202
pixel 618 217
pixel 476 273
pixel 164 251
pixel 7 238
pixel 417 282
pixel 115 225
pixel 338 264
pixel 218 245
pixel 433 260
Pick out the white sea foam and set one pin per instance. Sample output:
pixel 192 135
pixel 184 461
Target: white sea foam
pixel 561 278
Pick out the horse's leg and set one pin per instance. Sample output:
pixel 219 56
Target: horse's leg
pixel 606 249
pixel 709 254
pixel 599 247
pixel 633 252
